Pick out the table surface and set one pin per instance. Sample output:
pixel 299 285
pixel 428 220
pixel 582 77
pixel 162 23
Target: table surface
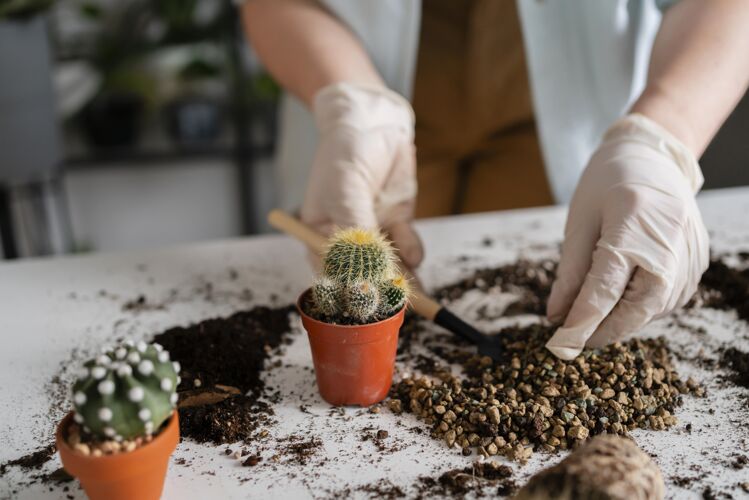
pixel 49 307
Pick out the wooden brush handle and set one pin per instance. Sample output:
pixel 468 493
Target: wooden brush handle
pixel 287 223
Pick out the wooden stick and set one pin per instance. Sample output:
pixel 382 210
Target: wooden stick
pixel 286 223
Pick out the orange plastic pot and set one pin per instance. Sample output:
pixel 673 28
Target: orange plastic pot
pixel 353 363
pixel 136 474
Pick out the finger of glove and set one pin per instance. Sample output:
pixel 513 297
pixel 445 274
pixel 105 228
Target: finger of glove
pixel 645 297
pixel 602 288
pixel 408 244
pixel 577 250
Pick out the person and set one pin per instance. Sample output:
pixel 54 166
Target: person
pixel 605 105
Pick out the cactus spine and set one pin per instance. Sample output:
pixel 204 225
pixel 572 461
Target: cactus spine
pixel 360 280
pixel 126 392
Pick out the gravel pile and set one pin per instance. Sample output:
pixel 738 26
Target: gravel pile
pixel 534 401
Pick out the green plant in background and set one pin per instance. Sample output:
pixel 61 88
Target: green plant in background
pixel 199 68
pixel 126 392
pixel 22 9
pixel 360 280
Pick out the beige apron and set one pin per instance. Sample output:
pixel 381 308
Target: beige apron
pixel 476 140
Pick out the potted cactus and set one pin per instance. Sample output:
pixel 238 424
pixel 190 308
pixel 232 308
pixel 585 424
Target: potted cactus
pixel 352 314
pixel 124 426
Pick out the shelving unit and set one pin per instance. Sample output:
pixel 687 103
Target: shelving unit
pixel 248 133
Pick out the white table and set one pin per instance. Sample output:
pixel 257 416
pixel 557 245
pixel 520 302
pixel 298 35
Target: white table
pixel 49 307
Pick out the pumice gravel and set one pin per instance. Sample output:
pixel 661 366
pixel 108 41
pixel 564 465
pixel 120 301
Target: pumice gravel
pixel 533 401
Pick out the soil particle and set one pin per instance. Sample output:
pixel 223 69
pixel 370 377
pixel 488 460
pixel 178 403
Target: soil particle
pixel 252 461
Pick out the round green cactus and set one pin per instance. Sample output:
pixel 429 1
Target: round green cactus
pixel 362 300
pixel 360 279
pixel 393 294
pixel 326 296
pixel 358 255
pixel 126 392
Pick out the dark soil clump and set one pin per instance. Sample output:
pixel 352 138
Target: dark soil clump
pixel 738 362
pixel 227 353
pixel 34 460
pixel 724 287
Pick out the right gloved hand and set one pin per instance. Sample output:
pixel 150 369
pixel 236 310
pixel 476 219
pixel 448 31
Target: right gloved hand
pixel 364 172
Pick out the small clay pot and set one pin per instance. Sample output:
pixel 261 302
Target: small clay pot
pixel 353 363
pixel 136 474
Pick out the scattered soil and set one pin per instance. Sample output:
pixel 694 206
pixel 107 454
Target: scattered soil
pixel 298 449
pixel 480 478
pixel 383 489
pixel 529 280
pixel 34 460
pixel 220 356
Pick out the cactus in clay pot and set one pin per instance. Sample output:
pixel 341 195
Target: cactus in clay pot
pixel 126 392
pixel 360 280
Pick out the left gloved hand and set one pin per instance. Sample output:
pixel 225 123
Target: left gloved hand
pixel 634 245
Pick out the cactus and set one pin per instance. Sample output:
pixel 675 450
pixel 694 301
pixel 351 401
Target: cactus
pixel 326 297
pixel 358 255
pixel 362 300
pixel 393 294
pixel 126 392
pixel 360 280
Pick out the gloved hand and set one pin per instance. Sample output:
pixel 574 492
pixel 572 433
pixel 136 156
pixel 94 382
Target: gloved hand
pixel 634 245
pixel 364 172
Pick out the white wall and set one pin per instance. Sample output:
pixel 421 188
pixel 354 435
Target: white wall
pixel 126 206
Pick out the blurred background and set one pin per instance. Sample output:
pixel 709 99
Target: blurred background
pixel 139 123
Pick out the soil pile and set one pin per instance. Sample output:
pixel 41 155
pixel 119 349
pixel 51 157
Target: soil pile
pixel 221 353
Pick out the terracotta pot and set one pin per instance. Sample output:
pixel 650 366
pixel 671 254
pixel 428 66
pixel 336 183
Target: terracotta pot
pixel 137 474
pixel 353 363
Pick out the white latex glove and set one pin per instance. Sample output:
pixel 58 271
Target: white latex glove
pixel 634 245
pixel 364 172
